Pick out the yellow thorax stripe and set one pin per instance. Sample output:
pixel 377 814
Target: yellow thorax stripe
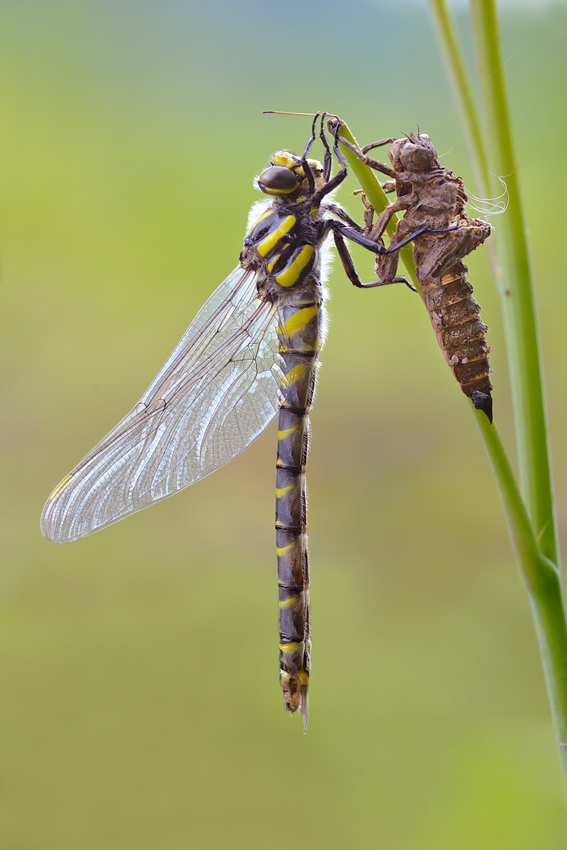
pixel 271 240
pixel 298 320
pixel 272 262
pixel 290 275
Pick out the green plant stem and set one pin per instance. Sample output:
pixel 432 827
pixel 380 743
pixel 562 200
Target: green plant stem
pixel 532 529
pixel 520 322
pixel 462 88
pixel 516 291
pixel 543 584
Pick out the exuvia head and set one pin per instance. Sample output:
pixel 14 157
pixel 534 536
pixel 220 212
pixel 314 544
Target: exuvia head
pixel 414 153
pixel 286 176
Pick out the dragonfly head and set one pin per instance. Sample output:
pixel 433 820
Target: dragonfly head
pixel 286 175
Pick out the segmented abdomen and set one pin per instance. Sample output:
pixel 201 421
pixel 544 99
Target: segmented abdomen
pixel 454 312
pixel 300 334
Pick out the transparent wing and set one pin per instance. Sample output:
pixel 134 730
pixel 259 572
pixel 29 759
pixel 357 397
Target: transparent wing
pixel 216 393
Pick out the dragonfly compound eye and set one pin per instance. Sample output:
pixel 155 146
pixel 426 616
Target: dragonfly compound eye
pixel 278 180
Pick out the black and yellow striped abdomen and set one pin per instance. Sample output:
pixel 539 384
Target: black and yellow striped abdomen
pixel 300 334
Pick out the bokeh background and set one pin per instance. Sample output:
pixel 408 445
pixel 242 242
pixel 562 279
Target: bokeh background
pixel 140 705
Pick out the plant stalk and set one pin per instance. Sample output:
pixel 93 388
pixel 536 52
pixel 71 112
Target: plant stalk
pixel 463 90
pixel 532 525
pixel 516 291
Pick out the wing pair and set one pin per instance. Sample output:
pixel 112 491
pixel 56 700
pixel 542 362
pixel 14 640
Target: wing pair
pixel 216 393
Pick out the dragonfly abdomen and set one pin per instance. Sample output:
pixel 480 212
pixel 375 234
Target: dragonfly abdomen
pixel 300 335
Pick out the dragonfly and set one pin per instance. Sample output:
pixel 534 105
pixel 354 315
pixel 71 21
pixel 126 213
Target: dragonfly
pixel 434 202
pixel 249 356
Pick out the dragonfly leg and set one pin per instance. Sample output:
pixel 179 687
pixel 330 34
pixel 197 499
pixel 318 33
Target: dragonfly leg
pixel 344 216
pixel 335 181
pixel 328 155
pixel 355 235
pixel 351 271
pixel 421 232
pixel 375 164
pixel 327 160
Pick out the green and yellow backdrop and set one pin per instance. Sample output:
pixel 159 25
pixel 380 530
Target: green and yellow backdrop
pixel 139 698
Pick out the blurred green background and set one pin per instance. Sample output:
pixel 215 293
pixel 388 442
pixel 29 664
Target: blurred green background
pixel 140 705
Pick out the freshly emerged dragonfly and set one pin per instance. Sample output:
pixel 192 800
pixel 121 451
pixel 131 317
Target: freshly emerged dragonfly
pixel 251 352
pixel 434 204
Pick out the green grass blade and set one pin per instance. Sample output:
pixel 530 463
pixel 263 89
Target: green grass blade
pixel 516 290
pixel 532 525
pixel 463 90
pixel 543 585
